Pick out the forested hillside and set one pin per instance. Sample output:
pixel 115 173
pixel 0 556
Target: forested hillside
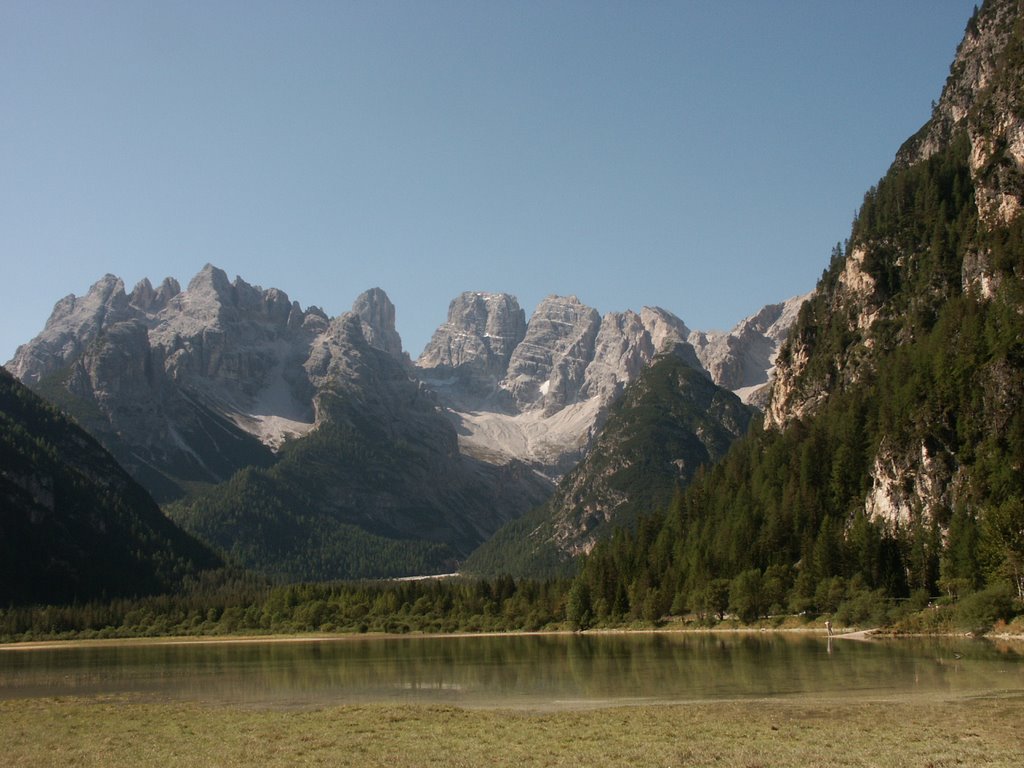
pixel 893 457
pixel 73 525
pixel 667 424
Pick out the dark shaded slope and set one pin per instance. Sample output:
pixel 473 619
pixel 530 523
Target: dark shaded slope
pixel 73 524
pixel 379 489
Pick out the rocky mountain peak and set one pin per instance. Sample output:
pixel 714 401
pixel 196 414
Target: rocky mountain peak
pixel 468 355
pixel 377 315
pixel 74 323
pixel 547 368
pixel 743 359
pixel 149 300
pixel 481 331
pixel 210 281
pixel 667 331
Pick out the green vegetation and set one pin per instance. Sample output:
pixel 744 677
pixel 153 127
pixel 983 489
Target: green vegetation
pixel 119 731
pixel 303 518
pixel 73 525
pixel 672 420
pixel 779 525
pixel 225 603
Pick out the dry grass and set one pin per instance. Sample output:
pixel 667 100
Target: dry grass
pixel 125 732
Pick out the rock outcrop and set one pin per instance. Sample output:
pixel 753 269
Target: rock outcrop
pixel 743 359
pixel 468 356
pixel 377 318
pixel 982 96
pixel 934 238
pixel 546 370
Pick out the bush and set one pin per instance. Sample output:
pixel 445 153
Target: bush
pixel 980 610
pixel 864 608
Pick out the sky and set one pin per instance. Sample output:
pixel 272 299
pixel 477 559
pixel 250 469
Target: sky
pixel 704 157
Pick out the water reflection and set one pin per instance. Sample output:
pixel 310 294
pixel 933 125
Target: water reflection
pixel 527 671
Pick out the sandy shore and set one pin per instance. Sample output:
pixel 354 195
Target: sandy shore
pixel 839 634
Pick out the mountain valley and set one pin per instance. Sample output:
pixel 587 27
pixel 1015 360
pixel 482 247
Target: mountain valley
pixel 304 446
pixel 855 446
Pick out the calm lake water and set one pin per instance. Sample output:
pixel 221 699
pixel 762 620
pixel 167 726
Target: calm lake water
pixel 536 672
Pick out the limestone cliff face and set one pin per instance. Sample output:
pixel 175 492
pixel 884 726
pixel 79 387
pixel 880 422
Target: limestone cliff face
pixel 982 96
pixel 905 264
pixel 192 385
pixel 377 319
pixel 982 104
pixel 468 356
pixel 622 349
pixel 743 360
pixel 188 387
pixel 546 370
pixel 74 323
pixel 539 391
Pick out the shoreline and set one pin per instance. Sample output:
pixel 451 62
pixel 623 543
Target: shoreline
pixel 851 633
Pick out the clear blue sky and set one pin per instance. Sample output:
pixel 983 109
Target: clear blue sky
pixel 700 156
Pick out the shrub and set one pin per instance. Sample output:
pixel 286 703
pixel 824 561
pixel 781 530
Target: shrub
pixel 980 610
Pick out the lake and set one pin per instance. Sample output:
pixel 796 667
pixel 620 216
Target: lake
pixel 520 671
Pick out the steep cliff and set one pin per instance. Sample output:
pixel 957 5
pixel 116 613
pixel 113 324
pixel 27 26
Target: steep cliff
pixel 539 392
pixel 936 239
pixel 892 458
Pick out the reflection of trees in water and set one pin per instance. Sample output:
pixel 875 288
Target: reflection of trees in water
pixel 594 666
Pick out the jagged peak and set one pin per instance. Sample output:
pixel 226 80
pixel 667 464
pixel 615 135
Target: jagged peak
pixel 169 286
pixel 480 331
pixel 376 314
pixel 107 287
pixel 210 279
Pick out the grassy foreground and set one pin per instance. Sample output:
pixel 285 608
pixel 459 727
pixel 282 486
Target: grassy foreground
pixel 125 732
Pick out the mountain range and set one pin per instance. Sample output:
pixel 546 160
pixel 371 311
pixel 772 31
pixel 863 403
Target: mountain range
pixel 889 456
pixel 305 446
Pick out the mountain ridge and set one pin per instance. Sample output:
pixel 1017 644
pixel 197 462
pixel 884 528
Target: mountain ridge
pixel 190 387
pixel 891 462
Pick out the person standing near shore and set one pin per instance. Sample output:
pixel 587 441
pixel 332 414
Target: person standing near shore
pixel 828 626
